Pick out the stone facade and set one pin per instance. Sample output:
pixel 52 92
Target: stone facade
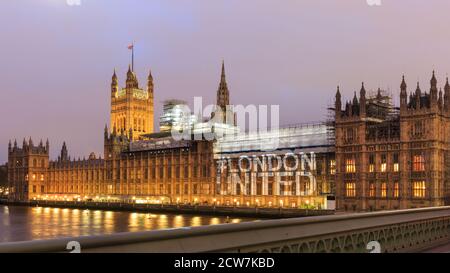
pixel 393 158
pixel 142 167
pixel 132 108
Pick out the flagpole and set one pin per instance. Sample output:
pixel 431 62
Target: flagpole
pixel 132 57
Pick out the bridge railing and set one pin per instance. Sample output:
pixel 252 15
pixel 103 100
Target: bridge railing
pixel 395 231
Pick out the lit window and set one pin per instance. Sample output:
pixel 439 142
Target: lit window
pixel 371 163
pixel 332 166
pixel 34 177
pixel 42 177
pixel 396 164
pixel 418 163
pixel 372 189
pixel 350 189
pixel 383 166
pixel 419 189
pixel 350 165
pixel 396 190
pixel 383 189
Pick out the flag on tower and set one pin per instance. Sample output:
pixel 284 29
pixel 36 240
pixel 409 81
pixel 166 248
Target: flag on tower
pixel 130 46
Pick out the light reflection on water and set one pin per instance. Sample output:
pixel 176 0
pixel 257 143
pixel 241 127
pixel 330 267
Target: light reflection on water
pixel 32 223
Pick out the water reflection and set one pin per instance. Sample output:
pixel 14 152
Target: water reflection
pixel 33 223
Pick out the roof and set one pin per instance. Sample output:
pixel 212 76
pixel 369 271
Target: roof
pixel 313 137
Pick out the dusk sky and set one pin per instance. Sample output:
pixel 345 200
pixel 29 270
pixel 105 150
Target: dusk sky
pixel 56 60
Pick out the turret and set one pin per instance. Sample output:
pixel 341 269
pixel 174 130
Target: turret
pixel 105 133
pixel 150 83
pixel 223 96
pixel 418 95
pixel 433 88
pixel 47 146
pixel 362 100
pixel 64 152
pixel 338 103
pixel 9 146
pixel 24 144
pixel 447 95
pixel 132 81
pixel 403 94
pixel 114 85
pixel 355 106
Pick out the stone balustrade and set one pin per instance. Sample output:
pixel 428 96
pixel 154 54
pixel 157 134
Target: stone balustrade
pixel 396 231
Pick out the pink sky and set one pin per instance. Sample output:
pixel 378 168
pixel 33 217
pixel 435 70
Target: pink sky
pixel 56 60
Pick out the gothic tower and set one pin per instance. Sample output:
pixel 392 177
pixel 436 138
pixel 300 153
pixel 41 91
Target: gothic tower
pixel 132 107
pixel 223 112
pixel 27 170
pixel 223 95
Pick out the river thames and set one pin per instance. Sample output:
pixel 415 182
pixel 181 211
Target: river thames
pixel 21 223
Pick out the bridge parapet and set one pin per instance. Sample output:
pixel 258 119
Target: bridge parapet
pixel 396 231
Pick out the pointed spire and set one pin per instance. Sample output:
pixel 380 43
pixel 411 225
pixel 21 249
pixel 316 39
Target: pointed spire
pixel 338 103
pixel 418 91
pixel 223 80
pixel 30 142
pixel 223 95
pixel 446 95
pixel 418 96
pixel 403 84
pixel 379 94
pixel 150 82
pixel 105 132
pixel 129 74
pixel 114 85
pixel 64 153
pixel 9 145
pixel 150 76
pixel 433 80
pixel 15 143
pixel 131 79
pixel 114 76
pixel 363 89
pixel 355 99
pixel 433 90
pixel 223 70
pixel 403 94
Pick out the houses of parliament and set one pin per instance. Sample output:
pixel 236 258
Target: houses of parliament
pixel 370 156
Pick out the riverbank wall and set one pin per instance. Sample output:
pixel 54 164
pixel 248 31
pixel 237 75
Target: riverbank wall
pixel 251 212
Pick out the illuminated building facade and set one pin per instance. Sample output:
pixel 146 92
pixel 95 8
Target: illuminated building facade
pixel 393 158
pixel 175 116
pixel 145 167
pixel 132 107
